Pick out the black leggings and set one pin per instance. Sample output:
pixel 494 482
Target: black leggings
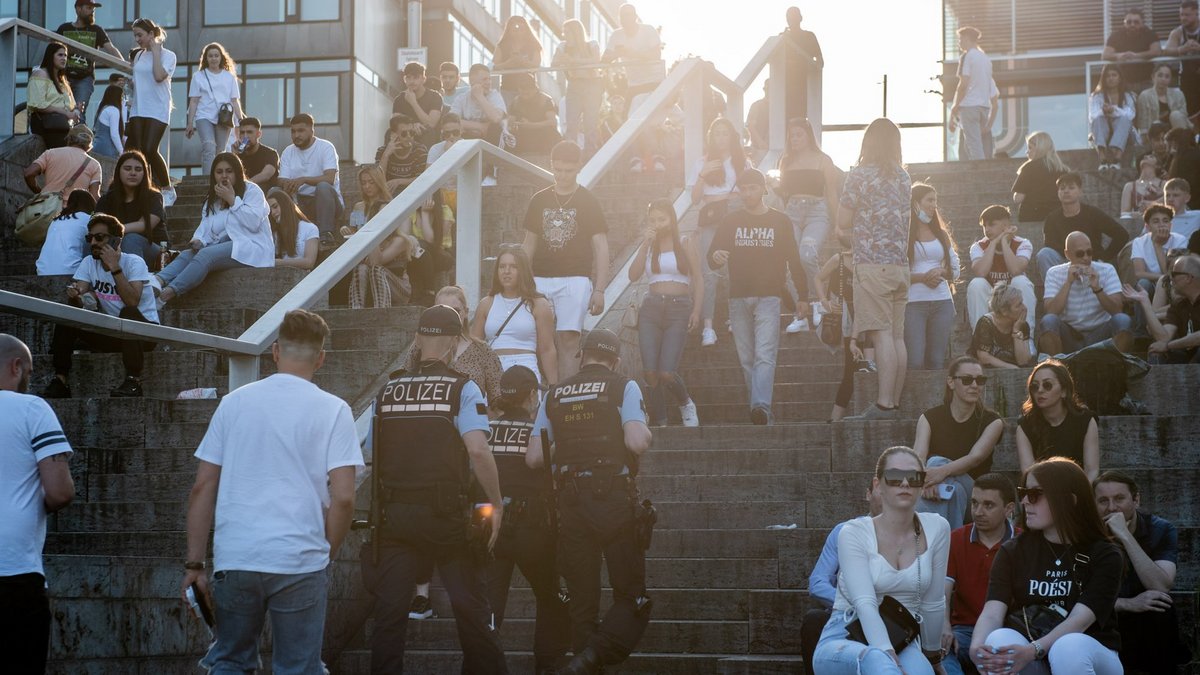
pixel 144 134
pixel 845 390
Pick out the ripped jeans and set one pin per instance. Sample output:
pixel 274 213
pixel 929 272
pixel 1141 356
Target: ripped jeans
pixel 838 655
pixel 810 225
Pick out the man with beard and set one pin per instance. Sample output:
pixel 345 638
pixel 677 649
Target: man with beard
pixel 35 480
pixel 81 71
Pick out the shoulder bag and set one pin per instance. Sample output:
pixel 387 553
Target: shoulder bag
pixel 1035 621
pixel 902 626
pixel 34 216
pixel 225 112
pixel 507 319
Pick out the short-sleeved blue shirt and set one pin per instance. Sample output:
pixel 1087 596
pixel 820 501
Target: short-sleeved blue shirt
pixel 1159 538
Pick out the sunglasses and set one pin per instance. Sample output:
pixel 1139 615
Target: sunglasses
pixel 95 237
pixel 451 133
pixel 1046 385
pixel 1032 495
pixel 1085 253
pixel 897 477
pixel 968 380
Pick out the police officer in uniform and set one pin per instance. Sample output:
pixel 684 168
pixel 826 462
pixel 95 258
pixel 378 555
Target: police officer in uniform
pixel 596 423
pixel 431 434
pixel 526 540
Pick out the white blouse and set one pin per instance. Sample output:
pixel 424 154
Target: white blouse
pixel 246 225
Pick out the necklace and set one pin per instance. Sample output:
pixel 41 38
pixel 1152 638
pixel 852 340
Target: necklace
pixel 561 204
pixel 1057 556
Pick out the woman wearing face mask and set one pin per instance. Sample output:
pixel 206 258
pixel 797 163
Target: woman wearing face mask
pixel 234 232
pixel 1054 422
pixel 933 265
pixel 150 112
pixel 899 553
pixel 1062 560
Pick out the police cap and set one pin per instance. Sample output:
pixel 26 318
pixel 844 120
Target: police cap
pixel 440 320
pixel 602 340
pixel 518 381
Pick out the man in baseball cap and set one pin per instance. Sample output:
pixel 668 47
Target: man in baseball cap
pixel 81 70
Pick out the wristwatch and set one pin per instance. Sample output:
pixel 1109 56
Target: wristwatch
pixel 197 565
pixel 1039 652
pixel 117 271
pixel 934 656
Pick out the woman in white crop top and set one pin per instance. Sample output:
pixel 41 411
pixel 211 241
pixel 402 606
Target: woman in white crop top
pixel 669 311
pixel 517 321
pixel 899 553
pixel 933 267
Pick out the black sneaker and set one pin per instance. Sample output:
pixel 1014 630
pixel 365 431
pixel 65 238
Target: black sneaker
pixel 420 609
pixel 760 416
pixel 56 389
pixel 131 387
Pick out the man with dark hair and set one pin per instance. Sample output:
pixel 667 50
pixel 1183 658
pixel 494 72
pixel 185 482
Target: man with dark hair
pixel 423 106
pixel 261 162
pixel 67 168
pixel 452 84
pixel 1185 41
pixel 35 481
pixel 973 95
pixel 308 170
pixel 595 422
pixel 1148 253
pixel 1132 43
pixel 972 549
pixel 800 63
pixel 117 284
pixel 1148 623
pixel 1000 257
pixel 482 108
pixel 1177 337
pixel 401 156
pixel 1075 216
pixel 276 472
pixel 81 70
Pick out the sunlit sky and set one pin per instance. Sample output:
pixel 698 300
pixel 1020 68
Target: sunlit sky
pixel 901 39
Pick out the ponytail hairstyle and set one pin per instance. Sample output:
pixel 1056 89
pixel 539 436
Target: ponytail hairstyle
pixel 681 261
pixel 79 201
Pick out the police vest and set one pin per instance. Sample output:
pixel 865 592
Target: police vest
pixel 509 440
pixel 417 446
pixel 585 413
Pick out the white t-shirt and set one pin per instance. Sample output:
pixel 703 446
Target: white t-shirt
pixel 276 440
pixel 1143 248
pixel 30 433
pixel 111 117
pixel 1083 311
pixel 1186 223
pixel 926 256
pixel 105 287
pixel 977 67
pixel 314 160
pixel 64 248
pixel 465 106
pixel 212 90
pixel 304 232
pixel 643 39
pixel 152 98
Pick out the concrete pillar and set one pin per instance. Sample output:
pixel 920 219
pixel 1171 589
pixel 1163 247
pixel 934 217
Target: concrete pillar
pixel 243 370
pixel 8 79
pixel 416 11
pixel 777 101
pixel 469 247
pixel 694 91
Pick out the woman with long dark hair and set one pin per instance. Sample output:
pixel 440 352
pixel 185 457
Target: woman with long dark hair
pixel 133 200
pixel 517 48
pixel 52 106
pixel 109 123
pixel 933 265
pixel 150 113
pixel 901 554
pixel 65 246
pixel 1063 561
pixel 1111 109
pixel 1055 422
pixel 713 192
pixel 296 239
pixel 517 321
pixel 956 440
pixel 213 87
pixel 670 309
pixel 234 231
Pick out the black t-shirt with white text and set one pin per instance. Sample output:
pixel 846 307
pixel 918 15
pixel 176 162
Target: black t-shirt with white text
pixel 1028 570
pixel 761 248
pixel 564 226
pixel 78 65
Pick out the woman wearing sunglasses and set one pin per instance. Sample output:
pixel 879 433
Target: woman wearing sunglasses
pixel 1063 560
pixel 899 553
pixel 956 439
pixel 1054 422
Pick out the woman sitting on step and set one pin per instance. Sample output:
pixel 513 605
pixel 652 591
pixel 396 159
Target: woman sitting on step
pixel 517 321
pixel 234 232
pixel 1001 338
pixel 133 200
pixel 956 440
pixel 296 239
pixel 1055 422
pixel 1064 565
pixel 898 556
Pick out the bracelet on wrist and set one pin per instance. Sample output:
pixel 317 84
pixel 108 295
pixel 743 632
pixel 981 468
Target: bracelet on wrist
pixel 197 565
pixel 117 271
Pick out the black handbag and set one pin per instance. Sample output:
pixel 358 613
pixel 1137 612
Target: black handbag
pixel 225 112
pixel 902 626
pixel 52 122
pixel 1035 621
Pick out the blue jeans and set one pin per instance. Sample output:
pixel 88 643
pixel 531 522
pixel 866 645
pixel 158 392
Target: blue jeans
pixel 927 328
pixel 1074 340
pixel 324 207
pixel 838 655
pixel 955 508
pixel 296 603
pixel 810 225
pixel 959 663
pixel 1047 258
pixel 187 271
pixel 662 330
pixel 213 139
pixel 137 244
pixel 709 308
pixel 756 337
pixel 82 90
pixel 1111 132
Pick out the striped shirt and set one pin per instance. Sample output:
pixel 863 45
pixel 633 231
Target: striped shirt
pixel 29 433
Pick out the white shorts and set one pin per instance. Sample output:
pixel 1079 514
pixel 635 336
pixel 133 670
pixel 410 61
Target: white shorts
pixel 530 361
pixel 570 298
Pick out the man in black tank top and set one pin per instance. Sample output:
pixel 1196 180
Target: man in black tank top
pixel 1184 41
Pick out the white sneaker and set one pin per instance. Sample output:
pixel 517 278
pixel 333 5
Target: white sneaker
pixel 659 166
pixel 797 325
pixel 169 196
pixel 687 411
pixel 708 337
pixel 817 313
pixel 488 181
pixel 635 165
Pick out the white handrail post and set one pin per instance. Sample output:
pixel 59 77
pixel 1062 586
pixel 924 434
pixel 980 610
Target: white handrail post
pixel 815 86
pixel 242 370
pixel 8 77
pixel 693 123
pixel 777 101
pixel 469 247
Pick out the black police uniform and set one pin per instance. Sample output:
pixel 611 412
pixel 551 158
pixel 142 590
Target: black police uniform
pixel 526 541
pixel 597 507
pixel 423 513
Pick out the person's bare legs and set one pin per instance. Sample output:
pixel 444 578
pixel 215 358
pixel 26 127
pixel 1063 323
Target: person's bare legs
pixel 567 344
pixel 891 360
pixel 901 366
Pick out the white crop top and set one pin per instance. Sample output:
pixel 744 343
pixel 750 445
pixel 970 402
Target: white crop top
pixel 521 331
pixel 668 269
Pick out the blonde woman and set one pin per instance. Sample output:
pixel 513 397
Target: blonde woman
pixel 1035 191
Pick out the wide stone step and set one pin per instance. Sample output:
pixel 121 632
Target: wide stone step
pixel 785 412
pixel 725 436
pixel 450 661
pixel 791 391
pixel 133 422
pixel 732 462
pixel 166 374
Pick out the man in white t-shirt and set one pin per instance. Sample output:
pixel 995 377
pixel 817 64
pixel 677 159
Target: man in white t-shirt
pixel 116 284
pixel 1000 257
pixel 308 170
pixel 973 96
pixel 35 480
pixel 482 108
pixel 1148 253
pixel 1176 194
pixel 1083 301
pixel 277 468
pixel 636 43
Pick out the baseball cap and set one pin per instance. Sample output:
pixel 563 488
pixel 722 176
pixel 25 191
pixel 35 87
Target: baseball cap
pixel 440 320
pixel 87 2
pixel 602 340
pixel 80 132
pixel 518 380
pixel 752 177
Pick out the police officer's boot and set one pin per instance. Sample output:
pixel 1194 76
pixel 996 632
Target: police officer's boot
pixel 586 662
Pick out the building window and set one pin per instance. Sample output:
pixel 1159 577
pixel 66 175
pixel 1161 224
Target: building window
pixel 468 48
pixel 8 7
pixel 600 28
pixel 117 14
pixel 274 92
pixel 237 12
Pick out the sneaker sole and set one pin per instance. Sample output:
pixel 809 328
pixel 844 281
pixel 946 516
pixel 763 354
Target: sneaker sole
pixel 420 616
